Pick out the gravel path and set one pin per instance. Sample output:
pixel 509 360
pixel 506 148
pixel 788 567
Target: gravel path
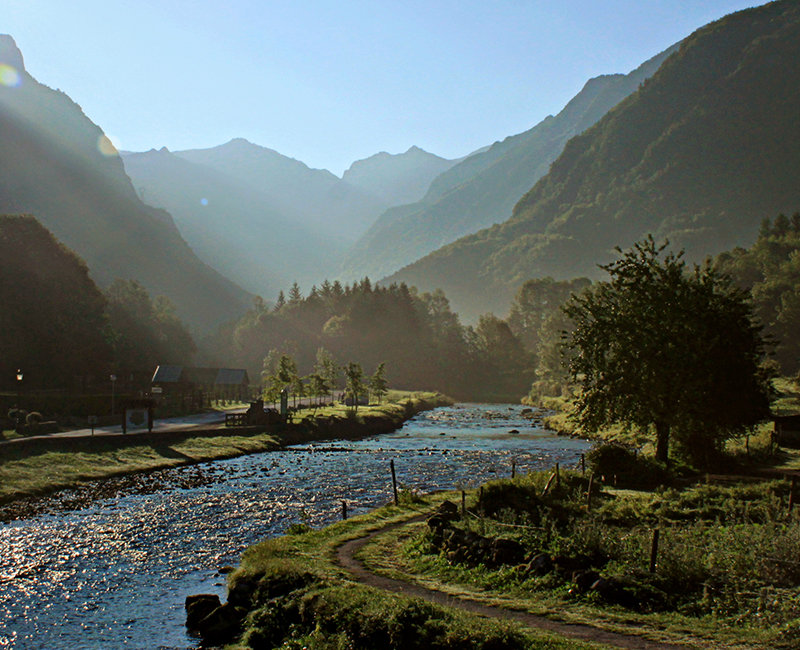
pixel 345 556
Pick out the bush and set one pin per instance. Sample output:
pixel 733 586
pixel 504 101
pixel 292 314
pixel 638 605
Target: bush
pixel 33 418
pixel 298 529
pixel 14 413
pixel 629 467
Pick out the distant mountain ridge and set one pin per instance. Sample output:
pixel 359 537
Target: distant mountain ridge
pixel 482 189
pixel 267 220
pixel 397 179
pixel 707 148
pixel 51 166
pixel 232 226
pixel 317 197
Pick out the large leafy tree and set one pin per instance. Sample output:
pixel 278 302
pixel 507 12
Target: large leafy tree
pixel 666 349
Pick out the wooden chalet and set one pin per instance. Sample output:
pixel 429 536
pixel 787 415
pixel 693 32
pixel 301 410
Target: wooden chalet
pixel 214 383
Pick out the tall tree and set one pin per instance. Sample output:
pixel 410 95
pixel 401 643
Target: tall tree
pixel 354 387
pixel 327 368
pixel 378 384
pixel 770 269
pixel 536 301
pixel 663 349
pixel 145 333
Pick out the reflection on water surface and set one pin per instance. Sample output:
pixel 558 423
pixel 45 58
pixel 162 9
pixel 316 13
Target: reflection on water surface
pixel 116 575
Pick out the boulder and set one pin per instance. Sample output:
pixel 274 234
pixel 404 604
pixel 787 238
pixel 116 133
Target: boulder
pixel 613 593
pixel 448 511
pixel 541 565
pixel 198 607
pixel 506 551
pixel 222 624
pixel 585 579
pixel 242 592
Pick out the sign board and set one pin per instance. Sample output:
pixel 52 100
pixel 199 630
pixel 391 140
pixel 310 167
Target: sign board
pixel 92 419
pixel 136 418
pixel 157 390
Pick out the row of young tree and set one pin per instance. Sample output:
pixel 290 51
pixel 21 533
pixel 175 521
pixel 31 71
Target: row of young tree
pixel 280 374
pixel 418 336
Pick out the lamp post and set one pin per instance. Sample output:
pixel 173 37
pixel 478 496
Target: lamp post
pixel 113 382
pixel 19 394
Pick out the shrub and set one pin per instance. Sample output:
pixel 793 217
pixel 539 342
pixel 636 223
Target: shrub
pixel 33 418
pixel 630 468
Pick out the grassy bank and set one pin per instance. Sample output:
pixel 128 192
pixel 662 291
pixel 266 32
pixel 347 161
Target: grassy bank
pixel 741 452
pixel 727 573
pixel 298 597
pixel 39 467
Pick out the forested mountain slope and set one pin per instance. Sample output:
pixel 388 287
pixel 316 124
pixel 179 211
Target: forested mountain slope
pixel 57 165
pixel 482 189
pixel 47 284
pixel 707 148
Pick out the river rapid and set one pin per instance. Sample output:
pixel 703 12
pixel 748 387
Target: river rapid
pixel 115 574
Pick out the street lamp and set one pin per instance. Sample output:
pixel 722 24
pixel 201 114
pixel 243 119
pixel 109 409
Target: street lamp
pixel 19 393
pixel 113 381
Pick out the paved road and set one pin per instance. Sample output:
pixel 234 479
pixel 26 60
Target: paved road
pixel 202 420
pixel 187 422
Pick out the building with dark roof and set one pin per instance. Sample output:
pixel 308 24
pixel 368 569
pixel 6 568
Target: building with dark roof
pixel 228 383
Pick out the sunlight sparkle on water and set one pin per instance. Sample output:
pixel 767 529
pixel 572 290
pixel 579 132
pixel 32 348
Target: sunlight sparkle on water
pixel 9 76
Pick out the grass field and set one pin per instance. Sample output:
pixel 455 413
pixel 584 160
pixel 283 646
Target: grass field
pixel 298 597
pixel 727 572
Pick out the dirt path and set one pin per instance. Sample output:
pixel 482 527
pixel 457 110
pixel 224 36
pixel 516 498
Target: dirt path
pixel 345 557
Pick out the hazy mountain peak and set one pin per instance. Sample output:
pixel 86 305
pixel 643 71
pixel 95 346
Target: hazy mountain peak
pixel 397 178
pixel 10 53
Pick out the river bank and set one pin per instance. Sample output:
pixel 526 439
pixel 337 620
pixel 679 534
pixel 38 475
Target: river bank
pixel 583 575
pixel 294 587
pixel 117 572
pixel 75 471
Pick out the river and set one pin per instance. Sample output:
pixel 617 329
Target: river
pixel 115 575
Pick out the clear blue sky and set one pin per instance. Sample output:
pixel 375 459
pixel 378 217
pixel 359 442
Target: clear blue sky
pixel 332 82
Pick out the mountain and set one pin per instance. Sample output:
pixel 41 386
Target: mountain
pixel 314 198
pixel 231 225
pixel 483 188
pixel 706 149
pixel 399 179
pixel 58 165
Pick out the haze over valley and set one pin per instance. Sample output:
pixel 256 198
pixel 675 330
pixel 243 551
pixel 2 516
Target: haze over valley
pixel 683 145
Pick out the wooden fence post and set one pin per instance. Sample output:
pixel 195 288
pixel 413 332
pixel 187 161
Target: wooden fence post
pixel 583 463
pixel 344 509
pixel 463 503
pixel 480 503
pixel 589 493
pixel 394 483
pixel 513 469
pixel 549 483
pixel 558 476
